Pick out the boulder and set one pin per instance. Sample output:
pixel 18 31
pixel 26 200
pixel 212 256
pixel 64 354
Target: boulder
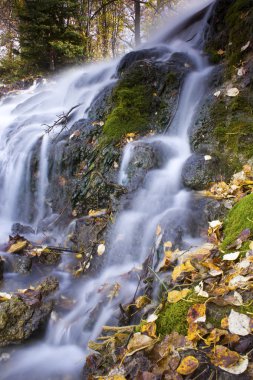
pixel 199 171
pixel 25 312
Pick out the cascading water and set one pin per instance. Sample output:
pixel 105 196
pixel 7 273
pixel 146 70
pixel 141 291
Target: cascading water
pixel 161 200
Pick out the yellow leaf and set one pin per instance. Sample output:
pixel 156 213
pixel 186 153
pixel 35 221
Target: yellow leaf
pixel 197 313
pixel 141 301
pixel 94 213
pixel 215 336
pixel 176 295
pixel 17 247
pixel 150 329
pixel 182 268
pixel 195 332
pixel 188 365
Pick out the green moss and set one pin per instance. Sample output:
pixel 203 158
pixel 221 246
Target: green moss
pixel 131 113
pixel 233 127
pixel 174 315
pixel 239 21
pixel 239 218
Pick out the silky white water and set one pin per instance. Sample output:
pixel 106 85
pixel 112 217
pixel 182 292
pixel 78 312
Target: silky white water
pixel 161 200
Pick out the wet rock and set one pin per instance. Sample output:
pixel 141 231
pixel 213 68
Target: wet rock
pixel 205 210
pixel 23 314
pixel 22 264
pixel 144 157
pixel 20 229
pixel 139 55
pixel 49 256
pixel 200 171
pixel 101 104
pixel 1 268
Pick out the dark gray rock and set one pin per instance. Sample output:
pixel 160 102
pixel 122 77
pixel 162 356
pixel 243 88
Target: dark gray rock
pixel 198 173
pixel 144 158
pixel 22 264
pixel 20 229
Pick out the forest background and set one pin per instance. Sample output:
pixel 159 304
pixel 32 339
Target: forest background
pixel 41 36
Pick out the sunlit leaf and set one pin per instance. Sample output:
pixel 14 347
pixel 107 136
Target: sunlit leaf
pixel 176 295
pixel 239 323
pixel 188 365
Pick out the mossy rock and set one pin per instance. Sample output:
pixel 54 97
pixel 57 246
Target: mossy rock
pixel 141 97
pixel 239 21
pixel 231 29
pixel 239 218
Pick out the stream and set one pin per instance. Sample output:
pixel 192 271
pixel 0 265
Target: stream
pixel 60 352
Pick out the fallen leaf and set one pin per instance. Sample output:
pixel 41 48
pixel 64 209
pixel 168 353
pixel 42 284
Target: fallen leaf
pixel 18 246
pixel 223 357
pixel 141 301
pixel 152 318
pixel 215 336
pixel 5 296
pixel 96 213
pixel 214 270
pixel 181 269
pixel 139 342
pixel 232 92
pixel 176 295
pixel 199 290
pixel 149 329
pixel 239 368
pixel 101 249
pixel 239 323
pixel 245 47
pixel 188 365
pixel 197 313
pixel 231 256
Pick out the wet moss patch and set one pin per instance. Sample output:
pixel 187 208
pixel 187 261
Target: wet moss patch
pixel 131 113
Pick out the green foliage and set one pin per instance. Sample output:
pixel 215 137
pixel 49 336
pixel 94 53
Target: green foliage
pixel 47 36
pixel 239 218
pixel 13 70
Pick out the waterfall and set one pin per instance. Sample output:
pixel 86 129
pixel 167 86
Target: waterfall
pixel 162 200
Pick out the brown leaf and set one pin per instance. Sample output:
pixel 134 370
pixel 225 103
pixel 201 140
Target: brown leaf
pixel 222 356
pixel 197 313
pixel 150 329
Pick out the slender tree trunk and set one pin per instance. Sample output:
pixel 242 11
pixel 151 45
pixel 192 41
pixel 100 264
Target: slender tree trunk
pixel 137 22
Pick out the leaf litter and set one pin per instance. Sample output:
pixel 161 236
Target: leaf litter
pixel 207 289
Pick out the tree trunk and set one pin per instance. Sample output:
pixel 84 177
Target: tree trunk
pixel 137 22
